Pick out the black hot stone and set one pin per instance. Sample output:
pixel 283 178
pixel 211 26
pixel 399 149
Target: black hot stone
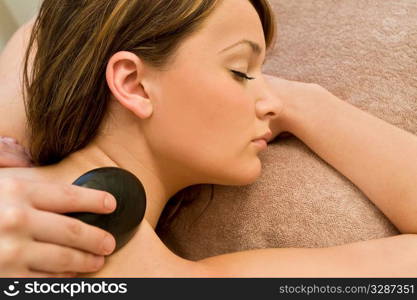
pixel 131 202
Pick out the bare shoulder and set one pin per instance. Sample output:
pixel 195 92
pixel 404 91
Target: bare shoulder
pixel 145 255
pixel 12 113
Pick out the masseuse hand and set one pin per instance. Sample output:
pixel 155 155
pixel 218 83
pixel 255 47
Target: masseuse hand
pixel 12 154
pixel 37 241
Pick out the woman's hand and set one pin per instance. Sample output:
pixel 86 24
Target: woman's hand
pixel 376 156
pixel 37 241
pixel 289 93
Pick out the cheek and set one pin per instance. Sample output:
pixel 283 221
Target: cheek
pixel 206 107
pixel 219 109
pixel 204 123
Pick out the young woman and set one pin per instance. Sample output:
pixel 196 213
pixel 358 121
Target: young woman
pixel 173 92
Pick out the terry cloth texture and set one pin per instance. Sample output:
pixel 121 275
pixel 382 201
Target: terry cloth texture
pixel 364 52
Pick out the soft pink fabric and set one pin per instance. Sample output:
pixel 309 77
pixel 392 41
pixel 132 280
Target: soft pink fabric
pixel 363 51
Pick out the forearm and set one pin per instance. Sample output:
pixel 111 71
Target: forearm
pixel 376 156
pixel 385 257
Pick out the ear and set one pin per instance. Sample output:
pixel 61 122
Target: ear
pixel 124 76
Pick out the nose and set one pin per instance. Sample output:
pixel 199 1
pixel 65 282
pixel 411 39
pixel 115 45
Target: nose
pixel 268 105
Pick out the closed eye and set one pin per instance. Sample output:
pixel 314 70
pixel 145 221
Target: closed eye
pixel 241 76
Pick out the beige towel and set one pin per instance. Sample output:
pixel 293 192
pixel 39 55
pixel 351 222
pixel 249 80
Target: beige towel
pixel 364 52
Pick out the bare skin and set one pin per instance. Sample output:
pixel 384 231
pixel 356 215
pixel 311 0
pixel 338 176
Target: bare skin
pixel 11 58
pixel 13 154
pixel 305 110
pixel 387 257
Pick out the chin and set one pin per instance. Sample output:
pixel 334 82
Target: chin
pixel 245 176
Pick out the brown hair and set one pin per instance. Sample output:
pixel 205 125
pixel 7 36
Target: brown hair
pixel 66 93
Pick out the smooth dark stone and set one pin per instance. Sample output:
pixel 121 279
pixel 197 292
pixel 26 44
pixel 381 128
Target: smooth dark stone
pixel 131 202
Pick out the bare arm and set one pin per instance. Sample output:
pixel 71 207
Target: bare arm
pixel 12 122
pixel 383 257
pixel 379 158
pixel 386 257
pixel 147 256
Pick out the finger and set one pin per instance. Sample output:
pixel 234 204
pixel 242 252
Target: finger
pixel 13 219
pixel 50 258
pixel 12 160
pixel 70 232
pixel 37 274
pixel 63 198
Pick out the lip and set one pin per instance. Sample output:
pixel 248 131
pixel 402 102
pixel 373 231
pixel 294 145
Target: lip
pixel 267 136
pixel 261 143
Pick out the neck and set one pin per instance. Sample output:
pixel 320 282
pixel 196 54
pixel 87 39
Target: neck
pixel 159 186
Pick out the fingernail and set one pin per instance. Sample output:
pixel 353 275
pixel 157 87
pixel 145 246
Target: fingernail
pixel 109 203
pixel 10 140
pixel 108 245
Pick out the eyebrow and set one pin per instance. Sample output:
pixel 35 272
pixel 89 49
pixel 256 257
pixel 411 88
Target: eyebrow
pixel 254 46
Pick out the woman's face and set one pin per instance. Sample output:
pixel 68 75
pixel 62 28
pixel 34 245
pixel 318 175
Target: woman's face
pixel 204 116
